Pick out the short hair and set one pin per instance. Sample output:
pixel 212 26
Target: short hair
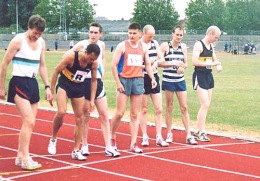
pixel 213 29
pixel 95 24
pixel 93 48
pixel 147 28
pixel 134 26
pixel 36 21
pixel 177 27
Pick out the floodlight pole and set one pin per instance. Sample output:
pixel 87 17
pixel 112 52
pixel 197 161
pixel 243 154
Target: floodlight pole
pixel 16 5
pixel 95 8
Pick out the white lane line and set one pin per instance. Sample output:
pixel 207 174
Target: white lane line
pixel 70 166
pixel 187 147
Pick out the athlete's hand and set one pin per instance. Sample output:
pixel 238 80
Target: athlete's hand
pixel 180 70
pixel 120 87
pixel 154 83
pixel 49 96
pixel 92 106
pixel 2 94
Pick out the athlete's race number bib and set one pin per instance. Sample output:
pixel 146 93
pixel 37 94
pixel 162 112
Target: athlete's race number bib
pixel 209 60
pixel 134 60
pixel 79 76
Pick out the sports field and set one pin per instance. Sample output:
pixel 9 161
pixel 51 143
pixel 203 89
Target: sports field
pixel 236 100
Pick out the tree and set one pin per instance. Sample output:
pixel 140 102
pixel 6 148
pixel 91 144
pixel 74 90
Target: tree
pixel 159 13
pixel 243 15
pixel 4 20
pixel 228 15
pixel 203 13
pixel 25 10
pixel 8 12
pixel 66 14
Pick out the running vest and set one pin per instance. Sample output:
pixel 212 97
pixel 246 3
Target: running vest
pixel 170 73
pixel 131 62
pixel 26 61
pixel 205 55
pixel 152 53
pixel 76 73
pixel 100 69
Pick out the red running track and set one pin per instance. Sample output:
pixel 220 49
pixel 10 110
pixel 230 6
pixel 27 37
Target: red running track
pixel 221 159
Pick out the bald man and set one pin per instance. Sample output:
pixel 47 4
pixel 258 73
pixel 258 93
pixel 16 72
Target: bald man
pixel 203 59
pixel 155 57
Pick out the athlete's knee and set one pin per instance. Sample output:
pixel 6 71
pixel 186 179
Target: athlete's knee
pixel 158 110
pixel 60 114
pixel 104 117
pixel 205 105
pixel 184 109
pixel 134 115
pixel 29 123
pixel 144 110
pixel 119 115
pixel 80 120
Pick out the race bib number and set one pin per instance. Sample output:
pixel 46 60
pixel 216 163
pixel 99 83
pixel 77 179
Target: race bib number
pixel 79 76
pixel 134 60
pixel 209 60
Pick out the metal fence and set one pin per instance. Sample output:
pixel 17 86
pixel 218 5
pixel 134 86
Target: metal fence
pixel 236 38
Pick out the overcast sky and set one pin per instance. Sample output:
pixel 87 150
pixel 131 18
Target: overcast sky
pixel 123 8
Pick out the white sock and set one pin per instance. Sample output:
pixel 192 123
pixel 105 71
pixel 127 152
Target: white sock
pixel 158 136
pixel 145 136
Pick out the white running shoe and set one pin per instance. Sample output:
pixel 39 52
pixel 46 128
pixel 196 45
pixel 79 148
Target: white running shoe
pixel 161 142
pixel 30 164
pixel 84 150
pixel 111 152
pixel 191 140
pixel 145 141
pixel 18 161
pixel 76 155
pixel 52 146
pixel 169 138
pixel 134 148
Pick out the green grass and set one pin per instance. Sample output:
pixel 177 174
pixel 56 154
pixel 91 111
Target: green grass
pixel 236 96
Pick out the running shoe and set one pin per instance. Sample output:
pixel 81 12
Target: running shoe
pixel 201 136
pixel 76 155
pixel 52 146
pixel 145 141
pixel 134 148
pixel 18 161
pixel 169 138
pixel 111 152
pixel 29 164
pixel 84 150
pixel 161 142
pixel 190 140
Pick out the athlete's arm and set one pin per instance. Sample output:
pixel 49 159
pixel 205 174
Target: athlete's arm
pixel 215 59
pixel 12 48
pixel 44 73
pixel 103 59
pixel 148 67
pixel 197 49
pixel 67 60
pixel 115 61
pixel 165 49
pixel 78 47
pixel 160 57
pixel 93 84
